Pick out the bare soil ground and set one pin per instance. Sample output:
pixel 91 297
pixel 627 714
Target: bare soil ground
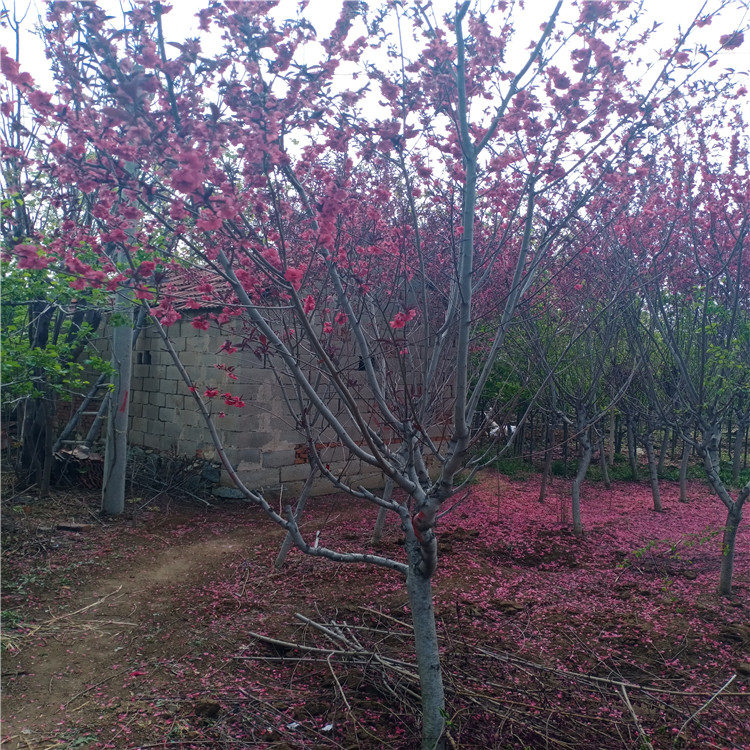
pixel 142 632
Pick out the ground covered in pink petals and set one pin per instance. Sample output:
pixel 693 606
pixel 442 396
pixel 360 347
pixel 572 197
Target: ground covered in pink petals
pixel 148 632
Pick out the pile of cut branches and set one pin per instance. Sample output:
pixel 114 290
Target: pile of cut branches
pixel 499 697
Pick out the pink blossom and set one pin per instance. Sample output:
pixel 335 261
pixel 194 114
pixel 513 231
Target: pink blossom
pixel 732 41
pixel 294 277
pixel 30 257
pixel 402 318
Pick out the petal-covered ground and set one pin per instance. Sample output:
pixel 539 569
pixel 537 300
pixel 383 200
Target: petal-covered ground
pixel 143 632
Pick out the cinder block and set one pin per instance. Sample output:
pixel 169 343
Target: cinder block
pixel 290 437
pixel 251 439
pixel 167 384
pixel 288 492
pixel 167 415
pixel 192 359
pixel 135 437
pixel 250 459
pixel 260 478
pixel 151 413
pixel 156 398
pixel 152 441
pixel 151 385
pixel 156 428
pixel 192 418
pixel 276 459
pixel 172 430
pixel 295 473
pixel 174 401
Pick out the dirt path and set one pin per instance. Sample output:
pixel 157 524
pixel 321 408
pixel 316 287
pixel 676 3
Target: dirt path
pixel 110 631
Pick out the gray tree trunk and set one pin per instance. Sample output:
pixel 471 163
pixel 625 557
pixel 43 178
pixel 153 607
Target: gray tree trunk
pixel 116 451
pixel 548 451
pixel 684 463
pixel 734 518
pixel 377 532
pixel 663 451
pixel 419 589
pixel 653 471
pixel 584 462
pixel 301 502
pixel 709 450
pixel 737 453
pixel 603 464
pixel 632 454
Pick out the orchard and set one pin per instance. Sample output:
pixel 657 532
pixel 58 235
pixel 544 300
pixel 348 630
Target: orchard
pixel 435 220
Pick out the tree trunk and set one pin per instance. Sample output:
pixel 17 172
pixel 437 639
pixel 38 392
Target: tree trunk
pixel 419 589
pixel 737 453
pixel 632 454
pixel 48 411
pixel 709 450
pixel 734 518
pixel 611 440
pixel 520 434
pixel 673 448
pixel 565 449
pixel 663 451
pixel 684 463
pixel 116 452
pixel 549 444
pixel 584 462
pixel 34 422
pixel 377 532
pixel 301 502
pixel 531 438
pixel 653 471
pixel 618 434
pixel 603 464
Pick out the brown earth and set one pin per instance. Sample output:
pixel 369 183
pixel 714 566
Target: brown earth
pixel 136 633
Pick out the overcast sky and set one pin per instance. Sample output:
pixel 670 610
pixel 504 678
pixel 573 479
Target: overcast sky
pixel 181 23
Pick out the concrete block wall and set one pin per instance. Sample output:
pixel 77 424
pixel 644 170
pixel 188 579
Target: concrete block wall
pixel 260 438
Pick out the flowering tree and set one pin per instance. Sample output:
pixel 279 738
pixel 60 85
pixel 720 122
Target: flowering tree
pixel 573 335
pixel 354 236
pixel 46 325
pixel 697 321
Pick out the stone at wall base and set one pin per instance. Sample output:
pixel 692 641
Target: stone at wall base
pixel 228 493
